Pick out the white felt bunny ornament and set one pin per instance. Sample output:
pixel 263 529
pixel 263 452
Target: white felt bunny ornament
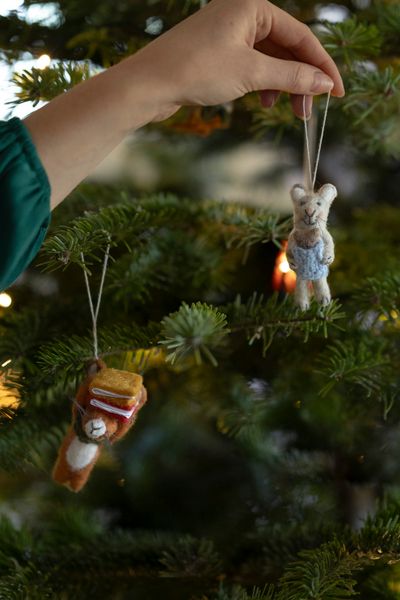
pixel 310 248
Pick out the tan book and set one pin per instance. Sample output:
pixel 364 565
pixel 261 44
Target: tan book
pixel 120 388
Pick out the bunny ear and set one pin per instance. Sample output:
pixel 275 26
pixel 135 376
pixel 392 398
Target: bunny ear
pixel 297 192
pixel 328 192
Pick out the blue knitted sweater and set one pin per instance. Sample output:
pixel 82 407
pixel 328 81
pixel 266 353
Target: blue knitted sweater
pixel 309 263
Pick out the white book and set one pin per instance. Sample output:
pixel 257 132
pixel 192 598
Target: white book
pixel 109 394
pixel 115 410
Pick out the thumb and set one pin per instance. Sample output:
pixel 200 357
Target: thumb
pixel 267 72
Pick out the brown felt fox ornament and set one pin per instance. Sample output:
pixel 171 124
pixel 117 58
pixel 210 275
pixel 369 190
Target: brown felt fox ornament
pixel 106 407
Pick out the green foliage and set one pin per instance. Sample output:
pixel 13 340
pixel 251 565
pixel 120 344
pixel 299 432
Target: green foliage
pixel 193 331
pixel 237 592
pixel 327 573
pixel 379 296
pixel 37 85
pixel 356 363
pixel 264 319
pixel 388 18
pixel 247 410
pixel 373 104
pixel 352 40
pixel 280 119
pixel 241 473
pixel 67 354
pixel 380 535
pixel 191 558
pixel 137 219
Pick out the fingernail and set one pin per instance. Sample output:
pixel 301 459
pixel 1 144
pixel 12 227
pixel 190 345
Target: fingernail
pixel 322 83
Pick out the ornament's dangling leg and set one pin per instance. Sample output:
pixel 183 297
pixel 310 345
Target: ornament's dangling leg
pixel 301 295
pixel 75 462
pixel 322 291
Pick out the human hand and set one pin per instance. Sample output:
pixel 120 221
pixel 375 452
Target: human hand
pixel 232 47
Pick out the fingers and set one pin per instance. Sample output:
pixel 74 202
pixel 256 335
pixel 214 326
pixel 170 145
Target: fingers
pixel 298 106
pixel 268 98
pixel 267 73
pixel 292 35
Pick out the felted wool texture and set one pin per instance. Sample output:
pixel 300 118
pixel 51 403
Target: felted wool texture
pixel 309 262
pixel 119 382
pixel 310 246
pixel 78 454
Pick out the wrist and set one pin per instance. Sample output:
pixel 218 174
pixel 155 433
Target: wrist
pixel 146 94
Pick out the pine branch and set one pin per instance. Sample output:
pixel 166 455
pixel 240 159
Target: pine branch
pixel 372 93
pixel 123 221
pixel 387 15
pixel 37 85
pixel 26 438
pixel 373 106
pixel 193 331
pixel 171 261
pixel 80 569
pixel 237 592
pixel 327 572
pixel 380 295
pixel 264 319
pixel 354 363
pixel 280 119
pixel 70 352
pixel 351 40
pixel 247 409
pixel 191 558
pixel 141 219
pixel 380 536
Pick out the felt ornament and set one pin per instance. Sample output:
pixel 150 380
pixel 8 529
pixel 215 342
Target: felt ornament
pixel 106 406
pixel 310 248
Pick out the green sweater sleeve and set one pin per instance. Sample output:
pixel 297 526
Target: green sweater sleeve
pixel 24 201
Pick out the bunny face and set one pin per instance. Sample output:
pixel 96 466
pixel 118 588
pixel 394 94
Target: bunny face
pixel 311 209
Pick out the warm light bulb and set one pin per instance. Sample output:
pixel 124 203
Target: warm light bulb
pixel 5 300
pixel 284 266
pixel 43 61
pixel 6 362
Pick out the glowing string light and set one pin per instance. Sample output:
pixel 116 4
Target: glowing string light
pixel 5 300
pixel 43 62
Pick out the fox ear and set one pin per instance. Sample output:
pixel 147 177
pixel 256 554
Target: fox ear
pixel 328 192
pixel 297 193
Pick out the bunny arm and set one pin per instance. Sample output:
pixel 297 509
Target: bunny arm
pixel 329 247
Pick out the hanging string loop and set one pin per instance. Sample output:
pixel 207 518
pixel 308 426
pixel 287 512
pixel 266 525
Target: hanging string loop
pixel 313 175
pixel 94 312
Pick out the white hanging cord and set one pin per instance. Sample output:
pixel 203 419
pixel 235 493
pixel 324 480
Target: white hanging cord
pixel 95 312
pixel 310 177
pixel 313 177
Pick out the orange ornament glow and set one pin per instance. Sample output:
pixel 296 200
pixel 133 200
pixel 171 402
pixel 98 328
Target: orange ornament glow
pixel 283 279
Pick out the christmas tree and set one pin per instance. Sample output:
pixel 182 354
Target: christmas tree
pixel 265 463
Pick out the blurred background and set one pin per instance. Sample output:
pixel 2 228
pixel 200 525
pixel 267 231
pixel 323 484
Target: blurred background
pixel 286 440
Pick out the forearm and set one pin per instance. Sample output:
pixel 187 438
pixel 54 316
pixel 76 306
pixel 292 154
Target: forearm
pixel 206 60
pixel 77 130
